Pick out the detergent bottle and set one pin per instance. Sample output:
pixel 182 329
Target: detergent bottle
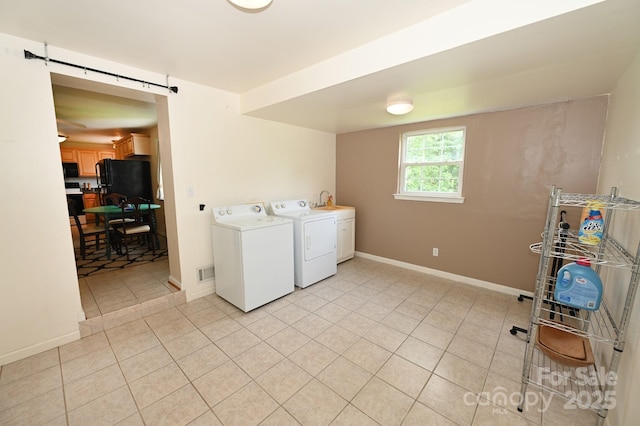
pixel 590 231
pixel 579 286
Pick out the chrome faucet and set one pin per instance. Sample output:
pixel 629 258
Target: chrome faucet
pixel 321 204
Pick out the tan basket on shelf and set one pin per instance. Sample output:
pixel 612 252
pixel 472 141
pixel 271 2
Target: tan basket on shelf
pixel 564 347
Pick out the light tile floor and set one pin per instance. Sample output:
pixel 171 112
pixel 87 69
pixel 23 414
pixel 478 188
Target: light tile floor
pixel 375 344
pixel 108 292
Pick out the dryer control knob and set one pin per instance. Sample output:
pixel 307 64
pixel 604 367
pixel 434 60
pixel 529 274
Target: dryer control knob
pixel 301 203
pixel 257 208
pixel 221 212
pixel 229 211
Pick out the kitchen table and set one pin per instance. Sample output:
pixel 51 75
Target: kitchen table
pixel 113 212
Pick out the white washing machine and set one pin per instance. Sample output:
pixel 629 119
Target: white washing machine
pixel 314 234
pixel 252 255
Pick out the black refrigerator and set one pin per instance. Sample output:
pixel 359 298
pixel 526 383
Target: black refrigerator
pixel 127 177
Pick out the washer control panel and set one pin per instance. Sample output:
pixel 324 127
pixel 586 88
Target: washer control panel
pixel 290 207
pixel 239 212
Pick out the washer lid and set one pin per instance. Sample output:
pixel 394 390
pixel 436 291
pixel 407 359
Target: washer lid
pixel 245 216
pixel 251 223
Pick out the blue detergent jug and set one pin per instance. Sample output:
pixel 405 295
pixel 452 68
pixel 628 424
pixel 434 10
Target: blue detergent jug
pixel 579 286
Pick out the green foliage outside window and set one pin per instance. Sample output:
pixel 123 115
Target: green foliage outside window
pixel 432 161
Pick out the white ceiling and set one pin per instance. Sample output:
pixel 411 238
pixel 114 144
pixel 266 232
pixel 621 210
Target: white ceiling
pixel 331 65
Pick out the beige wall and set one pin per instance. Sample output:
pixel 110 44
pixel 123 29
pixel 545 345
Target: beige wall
pixel 620 168
pixel 512 159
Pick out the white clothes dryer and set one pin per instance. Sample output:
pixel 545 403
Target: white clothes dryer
pixel 252 255
pixel 314 234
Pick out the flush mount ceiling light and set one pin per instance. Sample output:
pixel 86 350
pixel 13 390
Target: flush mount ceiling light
pixel 251 4
pixel 399 107
pixel 61 138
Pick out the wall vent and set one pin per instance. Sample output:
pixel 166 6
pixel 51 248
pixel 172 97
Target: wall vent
pixel 206 273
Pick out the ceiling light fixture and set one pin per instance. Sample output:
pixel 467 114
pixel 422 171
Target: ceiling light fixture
pixel 61 138
pixel 399 107
pixel 251 4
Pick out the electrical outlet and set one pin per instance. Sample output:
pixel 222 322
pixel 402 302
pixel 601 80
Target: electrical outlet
pixel 435 251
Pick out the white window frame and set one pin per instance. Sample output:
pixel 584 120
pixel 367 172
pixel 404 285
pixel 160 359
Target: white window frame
pixel 430 196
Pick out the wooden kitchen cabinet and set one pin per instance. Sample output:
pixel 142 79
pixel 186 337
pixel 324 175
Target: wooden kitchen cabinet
pixel 90 199
pixel 68 155
pixel 134 144
pixel 102 154
pixel 87 160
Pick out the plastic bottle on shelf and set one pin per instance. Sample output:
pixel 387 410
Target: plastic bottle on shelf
pixel 330 200
pixel 591 228
pixel 579 286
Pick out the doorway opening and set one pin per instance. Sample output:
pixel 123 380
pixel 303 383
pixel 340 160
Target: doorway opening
pixel 92 117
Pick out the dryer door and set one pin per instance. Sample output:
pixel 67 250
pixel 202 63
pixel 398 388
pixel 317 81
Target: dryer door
pixel 319 238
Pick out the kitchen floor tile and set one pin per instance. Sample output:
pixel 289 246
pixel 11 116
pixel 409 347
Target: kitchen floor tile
pixel 87 364
pixel 315 404
pixel 352 416
pixel 311 325
pixel 22 390
pixel 344 377
pixel 144 363
pixel 395 407
pixel 367 355
pixel 337 338
pixel 400 322
pixel 221 382
pixel 385 337
pixel 313 357
pixel 38 410
pixel 267 326
pixel 420 415
pixel 111 408
pixel 94 386
pixel 288 341
pixel 475 352
pixel 433 335
pixel 449 400
pixel 404 375
pixel 420 353
pixel 461 372
pixel 280 417
pixel 186 344
pixel 28 366
pixel 155 386
pixel 238 342
pixel 248 406
pixel 180 407
pixel 258 359
pixel 283 380
pixel 202 361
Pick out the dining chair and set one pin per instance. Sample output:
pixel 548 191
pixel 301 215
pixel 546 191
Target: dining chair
pixel 133 209
pixel 86 232
pixel 116 199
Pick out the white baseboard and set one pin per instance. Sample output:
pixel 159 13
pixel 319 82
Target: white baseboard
pixel 38 348
pixel 201 292
pixel 442 274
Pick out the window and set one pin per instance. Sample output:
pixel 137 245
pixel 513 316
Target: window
pixel 431 165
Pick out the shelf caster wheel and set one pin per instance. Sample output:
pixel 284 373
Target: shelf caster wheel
pixel 513 331
pixel 520 298
pixel 520 409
